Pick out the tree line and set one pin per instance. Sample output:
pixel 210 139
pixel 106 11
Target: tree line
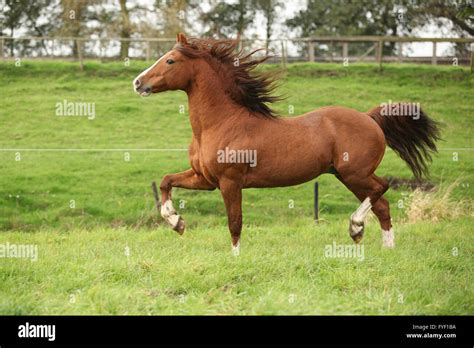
pixel 231 18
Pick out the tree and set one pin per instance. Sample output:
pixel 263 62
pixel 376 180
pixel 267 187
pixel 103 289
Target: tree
pixel 269 10
pixel 174 16
pixel 126 29
pixel 12 14
pixel 25 15
pixel 73 21
pixel 460 14
pixel 347 18
pixel 115 21
pixel 228 19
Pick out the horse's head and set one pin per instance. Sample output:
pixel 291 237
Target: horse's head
pixel 171 72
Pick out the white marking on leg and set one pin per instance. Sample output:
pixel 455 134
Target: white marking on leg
pixel 388 238
pixel 236 249
pixel 358 217
pixel 361 212
pixel 169 214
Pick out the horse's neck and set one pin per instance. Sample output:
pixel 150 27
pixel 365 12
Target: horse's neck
pixel 209 104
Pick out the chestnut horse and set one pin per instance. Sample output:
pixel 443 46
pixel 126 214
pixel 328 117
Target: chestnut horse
pixel 232 123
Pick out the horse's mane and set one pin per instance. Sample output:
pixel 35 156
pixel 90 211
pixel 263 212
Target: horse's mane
pixel 248 88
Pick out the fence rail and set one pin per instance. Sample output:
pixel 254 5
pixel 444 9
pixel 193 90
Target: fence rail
pixel 378 45
pixel 318 48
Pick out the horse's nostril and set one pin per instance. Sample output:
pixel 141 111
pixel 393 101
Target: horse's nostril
pixel 137 83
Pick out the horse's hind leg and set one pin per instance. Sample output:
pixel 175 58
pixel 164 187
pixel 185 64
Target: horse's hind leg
pixel 381 209
pixel 369 191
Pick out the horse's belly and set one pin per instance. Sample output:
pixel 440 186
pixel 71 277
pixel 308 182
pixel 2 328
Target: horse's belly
pixel 278 181
pixel 293 158
pixel 287 175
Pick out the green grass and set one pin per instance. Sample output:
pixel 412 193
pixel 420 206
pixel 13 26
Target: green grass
pixel 282 268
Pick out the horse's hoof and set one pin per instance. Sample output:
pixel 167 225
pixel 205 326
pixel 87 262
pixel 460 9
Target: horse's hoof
pixel 180 226
pixel 356 230
pixel 236 249
pixel 358 237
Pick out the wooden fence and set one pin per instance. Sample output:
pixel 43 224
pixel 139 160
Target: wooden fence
pixel 377 44
pixel 309 49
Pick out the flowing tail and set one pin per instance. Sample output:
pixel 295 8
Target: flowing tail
pixel 409 132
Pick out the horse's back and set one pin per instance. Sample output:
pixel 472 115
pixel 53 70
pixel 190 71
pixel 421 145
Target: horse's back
pixel 342 114
pixel 336 119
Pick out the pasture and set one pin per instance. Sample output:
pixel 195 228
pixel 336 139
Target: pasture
pixel 104 249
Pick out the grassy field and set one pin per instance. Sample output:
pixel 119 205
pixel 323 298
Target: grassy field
pixel 103 249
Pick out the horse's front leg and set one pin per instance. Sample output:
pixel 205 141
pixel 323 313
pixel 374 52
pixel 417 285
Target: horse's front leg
pixel 232 193
pixel 188 179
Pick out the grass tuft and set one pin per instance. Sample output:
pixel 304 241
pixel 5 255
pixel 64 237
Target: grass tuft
pixel 437 204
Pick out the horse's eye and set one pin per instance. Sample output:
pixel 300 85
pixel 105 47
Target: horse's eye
pixel 169 61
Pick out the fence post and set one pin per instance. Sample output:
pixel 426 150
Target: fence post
pixel 148 50
pixel 80 53
pixel 345 50
pixel 434 59
pixel 400 51
pixel 331 51
pixel 2 40
pixel 311 51
pixel 472 58
pixel 283 54
pixel 101 50
pixel 316 202
pixel 380 54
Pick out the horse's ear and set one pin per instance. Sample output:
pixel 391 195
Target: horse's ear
pixel 181 38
